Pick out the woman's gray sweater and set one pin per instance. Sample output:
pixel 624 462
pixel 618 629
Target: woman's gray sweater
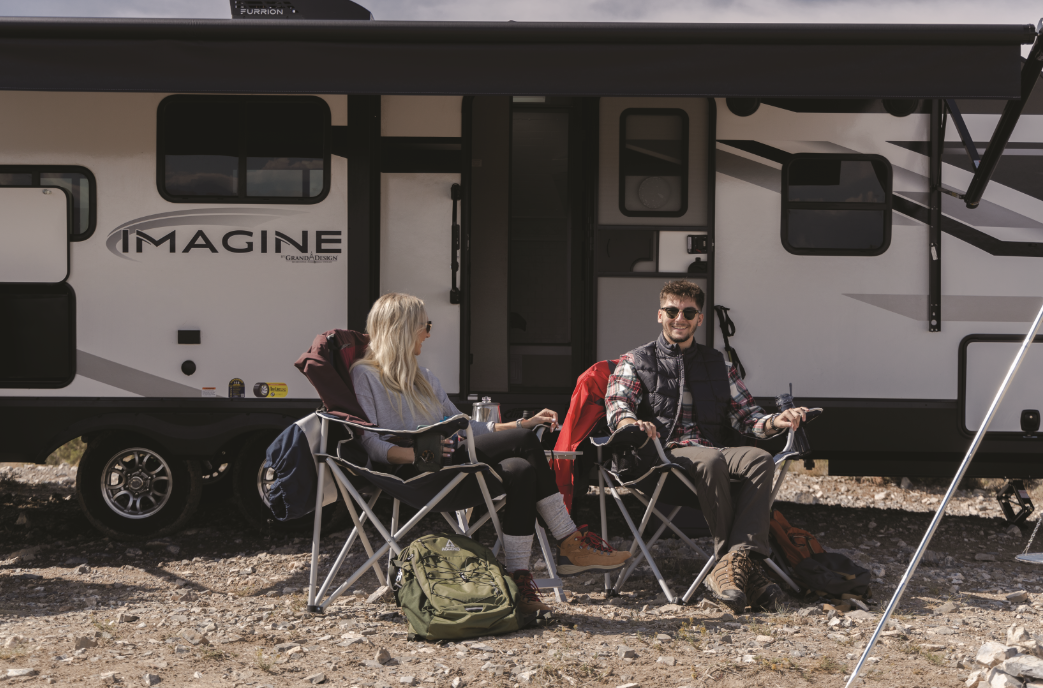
pixel 383 411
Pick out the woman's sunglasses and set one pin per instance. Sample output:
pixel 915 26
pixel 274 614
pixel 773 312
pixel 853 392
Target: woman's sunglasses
pixel 429 326
pixel 689 313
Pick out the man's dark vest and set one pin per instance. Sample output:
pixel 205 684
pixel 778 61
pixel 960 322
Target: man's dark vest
pixel 666 372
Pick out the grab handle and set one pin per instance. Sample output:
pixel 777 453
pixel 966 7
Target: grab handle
pixel 456 193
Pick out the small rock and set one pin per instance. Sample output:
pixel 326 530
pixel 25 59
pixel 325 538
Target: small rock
pixel 407 680
pixel 984 556
pixel 878 571
pixel 181 650
pixel 906 483
pixel 630 685
pixel 625 652
pixel 21 520
pixel 173 549
pixel 947 608
pixel 381 594
pixel 457 683
pixel 1014 531
pixel 126 618
pixel 150 679
pixel 993 654
pixel 133 552
pixel 286 647
pixel 15 673
pixel 193 637
pixel 670 609
pixel 663 637
pixel 84 643
pixel 669 661
pixel 382 656
pixel 880 496
pixel 1018 597
pixel 974 678
pixel 726 639
pixel 763 640
pixel 82 568
pixel 1016 635
pixel 839 637
pixel 316 679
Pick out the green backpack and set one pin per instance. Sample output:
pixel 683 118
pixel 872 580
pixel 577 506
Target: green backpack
pixel 450 588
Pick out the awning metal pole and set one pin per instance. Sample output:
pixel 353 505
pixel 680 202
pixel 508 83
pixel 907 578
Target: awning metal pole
pixel 893 604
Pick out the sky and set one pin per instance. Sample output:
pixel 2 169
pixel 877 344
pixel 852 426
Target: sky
pixel 842 11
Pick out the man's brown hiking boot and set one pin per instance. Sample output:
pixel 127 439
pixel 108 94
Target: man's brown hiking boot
pixel 763 593
pixel 530 603
pixel 585 551
pixel 727 581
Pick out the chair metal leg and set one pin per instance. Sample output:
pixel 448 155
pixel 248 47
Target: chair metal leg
pixel 552 570
pixel 636 560
pixel 316 534
pixel 782 574
pixel 699 579
pixel 394 528
pixel 349 500
pixel 637 538
pixel 335 569
pixel 624 574
pixel 778 481
pixel 604 518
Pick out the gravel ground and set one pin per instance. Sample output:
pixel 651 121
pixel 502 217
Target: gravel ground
pixel 219 605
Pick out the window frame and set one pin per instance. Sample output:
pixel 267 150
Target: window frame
pixel 242 198
pixel 886 206
pixel 92 190
pixel 687 144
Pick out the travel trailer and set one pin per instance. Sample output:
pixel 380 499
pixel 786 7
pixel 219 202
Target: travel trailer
pixel 187 203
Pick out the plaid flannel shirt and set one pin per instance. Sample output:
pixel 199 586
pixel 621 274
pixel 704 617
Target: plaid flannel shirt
pixel 624 393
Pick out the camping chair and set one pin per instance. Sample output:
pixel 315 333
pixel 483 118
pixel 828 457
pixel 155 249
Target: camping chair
pixel 667 484
pixel 451 491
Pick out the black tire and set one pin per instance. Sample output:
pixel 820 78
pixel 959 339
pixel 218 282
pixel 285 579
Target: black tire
pixel 149 492
pixel 248 497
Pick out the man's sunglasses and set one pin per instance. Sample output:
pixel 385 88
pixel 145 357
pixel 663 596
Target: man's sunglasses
pixel 689 313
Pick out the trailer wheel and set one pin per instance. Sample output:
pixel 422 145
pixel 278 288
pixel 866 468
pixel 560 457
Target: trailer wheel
pixel 250 485
pixel 129 487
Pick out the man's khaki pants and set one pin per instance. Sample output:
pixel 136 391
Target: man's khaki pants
pixel 739 523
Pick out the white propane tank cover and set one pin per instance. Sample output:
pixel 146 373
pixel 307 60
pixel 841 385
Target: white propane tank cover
pixel 34 231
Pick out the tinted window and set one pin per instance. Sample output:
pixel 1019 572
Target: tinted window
pixel 836 205
pixel 248 149
pixel 27 358
pixel 653 163
pixel 76 180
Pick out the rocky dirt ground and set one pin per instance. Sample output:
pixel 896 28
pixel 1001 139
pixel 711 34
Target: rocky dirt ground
pixel 219 605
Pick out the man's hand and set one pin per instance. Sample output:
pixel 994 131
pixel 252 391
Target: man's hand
pixel 648 427
pixel 791 418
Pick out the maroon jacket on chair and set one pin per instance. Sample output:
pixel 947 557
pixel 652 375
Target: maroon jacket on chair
pixel 326 365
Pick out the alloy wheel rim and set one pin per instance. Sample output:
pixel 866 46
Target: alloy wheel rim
pixel 136 483
pixel 265 478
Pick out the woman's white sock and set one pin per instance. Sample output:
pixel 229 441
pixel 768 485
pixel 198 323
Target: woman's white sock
pixel 556 516
pixel 516 551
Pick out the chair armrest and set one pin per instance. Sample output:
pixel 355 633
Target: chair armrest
pixel 445 428
pixel 627 436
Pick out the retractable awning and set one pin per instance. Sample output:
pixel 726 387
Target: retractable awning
pixel 432 58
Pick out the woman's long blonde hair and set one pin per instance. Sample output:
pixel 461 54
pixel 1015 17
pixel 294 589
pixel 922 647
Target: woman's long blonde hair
pixel 394 323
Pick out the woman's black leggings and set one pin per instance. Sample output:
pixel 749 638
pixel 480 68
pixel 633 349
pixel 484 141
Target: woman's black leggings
pixel 517 456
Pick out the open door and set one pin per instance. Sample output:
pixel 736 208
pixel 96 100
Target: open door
pixel 525 296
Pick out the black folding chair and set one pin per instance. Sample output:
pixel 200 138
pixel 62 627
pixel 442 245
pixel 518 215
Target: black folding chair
pixel 451 491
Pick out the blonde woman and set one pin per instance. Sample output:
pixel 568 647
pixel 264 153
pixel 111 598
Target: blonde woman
pixel 398 394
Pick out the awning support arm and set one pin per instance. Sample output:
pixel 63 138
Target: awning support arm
pixel 965 134
pixel 1008 120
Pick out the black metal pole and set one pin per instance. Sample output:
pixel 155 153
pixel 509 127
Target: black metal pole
pixel 1008 120
pixel 934 257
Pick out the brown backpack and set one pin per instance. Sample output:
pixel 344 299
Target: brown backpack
pixel 796 543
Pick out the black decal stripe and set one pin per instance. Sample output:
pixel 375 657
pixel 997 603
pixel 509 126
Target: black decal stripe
pixel 761 149
pixel 972 236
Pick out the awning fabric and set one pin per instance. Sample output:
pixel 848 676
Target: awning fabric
pixel 434 58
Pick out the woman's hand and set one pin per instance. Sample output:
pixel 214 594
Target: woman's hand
pixel 544 417
pixel 790 418
pixel 448 446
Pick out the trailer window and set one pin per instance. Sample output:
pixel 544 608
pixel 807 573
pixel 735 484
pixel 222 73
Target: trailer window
pixel 78 181
pixel 653 163
pixel 243 149
pixel 836 205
